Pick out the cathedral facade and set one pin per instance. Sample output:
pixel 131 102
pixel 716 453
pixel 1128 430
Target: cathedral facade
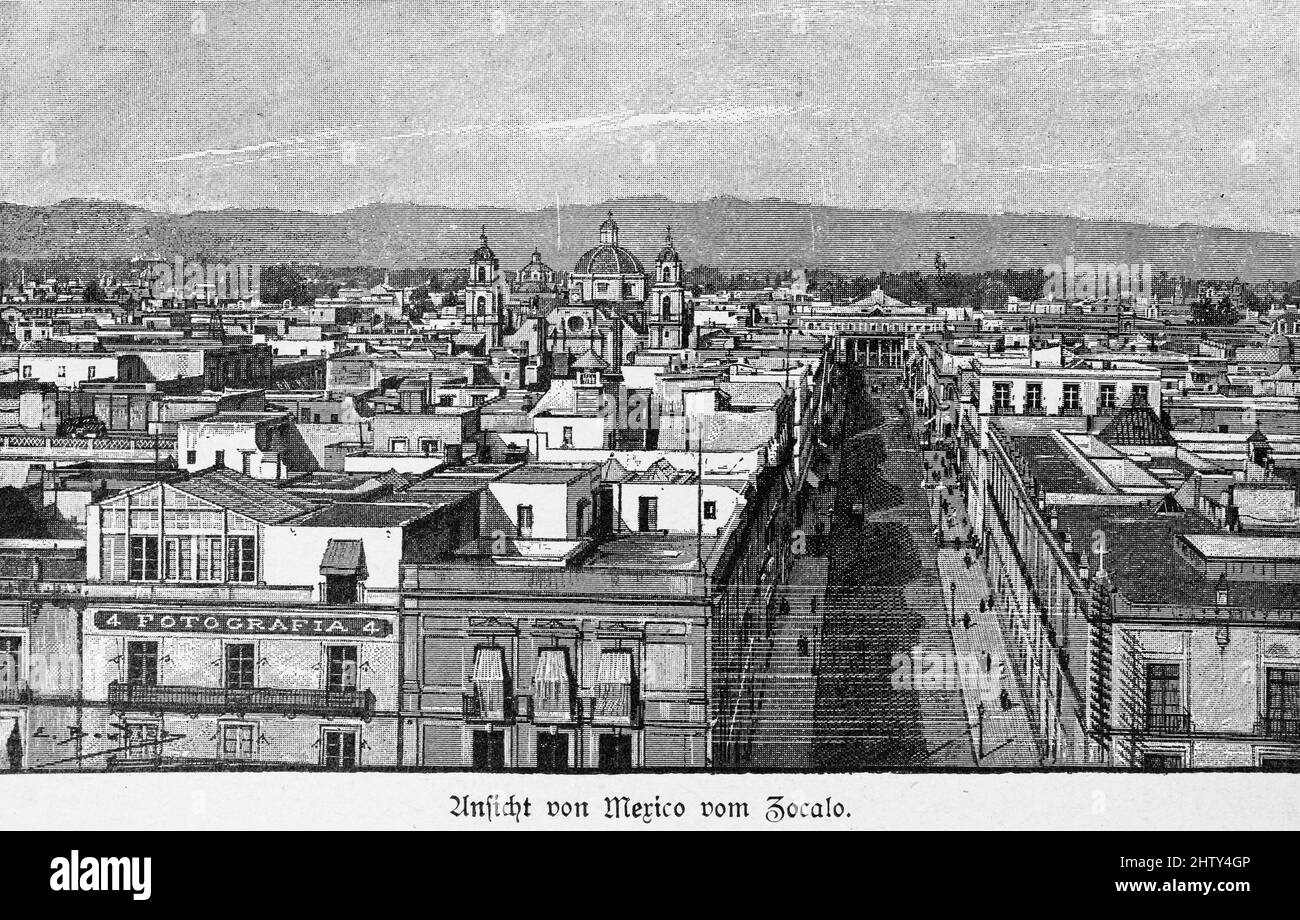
pixel 609 305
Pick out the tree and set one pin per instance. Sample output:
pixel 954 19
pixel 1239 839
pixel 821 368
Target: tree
pixel 92 292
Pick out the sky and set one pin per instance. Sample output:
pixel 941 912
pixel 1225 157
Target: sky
pixel 1160 111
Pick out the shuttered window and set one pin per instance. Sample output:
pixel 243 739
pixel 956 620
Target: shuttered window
pixel 113 557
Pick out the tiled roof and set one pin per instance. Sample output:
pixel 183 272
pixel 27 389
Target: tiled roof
pixel 245 495
pixel 1137 426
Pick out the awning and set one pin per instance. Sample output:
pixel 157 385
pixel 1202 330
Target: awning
pixel 614 685
pixel 615 667
pixel 489 664
pixel 489 681
pixel 552 690
pixel 344 557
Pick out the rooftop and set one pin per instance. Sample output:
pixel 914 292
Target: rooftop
pixel 369 514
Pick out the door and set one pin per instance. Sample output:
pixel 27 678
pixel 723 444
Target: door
pixel 489 751
pixel 340 749
pixel 552 752
pixel 615 754
pixel 647 514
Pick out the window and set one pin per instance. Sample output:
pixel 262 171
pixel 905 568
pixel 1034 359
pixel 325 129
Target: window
pixel 304 415
pixel 1002 398
pixel 647 515
pixel 397 445
pixel 340 667
pixel 178 559
pixel 239 666
pixel 191 457
pixel 339 748
pixel 27 372
pixel 429 446
pixel 482 305
pixel 90 372
pixel 246 462
pixel 1106 398
pixel 142 740
pixel 237 741
pixel 667 312
pixel 210 565
pixel 219 459
pixel 241 559
pixel 10 647
pixel 142 663
pixel 524 520
pixel 566 438
pixel 1165 699
pixel 144 559
pixel 581 519
pixel 602 287
pixel 1282 702
pixel 1033 397
pixel 710 511
pixel 63 370
pixel 1070 397
pixel 1140 394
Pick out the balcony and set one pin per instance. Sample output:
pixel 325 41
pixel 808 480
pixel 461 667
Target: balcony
pixel 474 708
pixel 145 698
pixel 1279 727
pixel 1035 410
pixel 1169 721
pixel 631 715
pixel 1003 409
pixel 1070 410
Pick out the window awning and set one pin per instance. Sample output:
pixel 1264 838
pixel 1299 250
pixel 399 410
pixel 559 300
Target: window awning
pixel 552 690
pixel 344 557
pixel 615 667
pixel 489 664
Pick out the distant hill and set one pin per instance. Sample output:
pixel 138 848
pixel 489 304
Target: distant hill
pixel 727 233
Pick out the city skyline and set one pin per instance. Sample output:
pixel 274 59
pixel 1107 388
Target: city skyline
pixel 1031 107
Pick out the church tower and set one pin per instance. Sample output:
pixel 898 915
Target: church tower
pixel 666 311
pixel 484 295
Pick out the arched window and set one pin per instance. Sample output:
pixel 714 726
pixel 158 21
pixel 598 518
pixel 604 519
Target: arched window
pixel 482 273
pixel 667 308
pixel 668 273
pixel 482 304
pixel 576 324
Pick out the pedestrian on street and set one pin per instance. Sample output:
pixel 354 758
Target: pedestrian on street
pixel 988 663
pixel 965 619
pixel 1005 699
pixel 785 608
pixel 803 646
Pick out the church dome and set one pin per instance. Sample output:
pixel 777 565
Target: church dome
pixel 669 252
pixel 608 259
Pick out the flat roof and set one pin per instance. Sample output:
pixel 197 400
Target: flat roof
pixel 369 514
pixel 1219 546
pixel 547 473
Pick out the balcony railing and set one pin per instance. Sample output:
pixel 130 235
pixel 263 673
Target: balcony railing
pixel 1071 410
pixel 1280 727
pixel 1003 409
pixel 475 708
pixel 630 716
pixel 147 698
pixel 1035 410
pixel 1169 721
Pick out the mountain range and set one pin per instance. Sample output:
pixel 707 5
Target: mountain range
pixel 730 234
